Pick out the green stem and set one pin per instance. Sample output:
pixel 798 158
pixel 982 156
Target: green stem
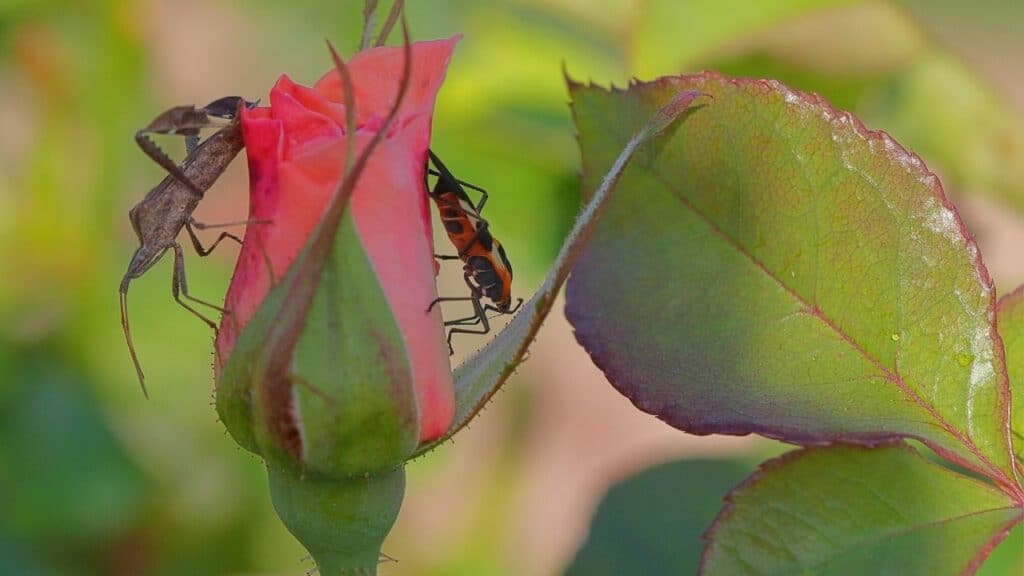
pixel 341 522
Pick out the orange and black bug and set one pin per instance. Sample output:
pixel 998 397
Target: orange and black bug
pixel 485 266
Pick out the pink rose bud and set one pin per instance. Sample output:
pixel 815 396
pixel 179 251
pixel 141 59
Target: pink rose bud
pixel 366 378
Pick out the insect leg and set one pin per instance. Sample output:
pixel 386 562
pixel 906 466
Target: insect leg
pixel 450 299
pixel 446 257
pixel 468 320
pixel 475 294
pixel 165 162
pixel 203 226
pixel 484 328
pixel 202 251
pixel 479 312
pixel 483 196
pixel 180 288
pixel 513 309
pixel 128 334
pixel 473 320
pixel 184 121
pixel 477 317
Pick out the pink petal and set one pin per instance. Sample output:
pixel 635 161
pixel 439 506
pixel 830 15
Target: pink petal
pixel 296 153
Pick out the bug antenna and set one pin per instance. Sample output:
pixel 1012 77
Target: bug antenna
pixel 128 338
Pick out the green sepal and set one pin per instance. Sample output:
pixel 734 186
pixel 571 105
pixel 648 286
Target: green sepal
pixel 353 352
pixel 334 395
pixel 341 522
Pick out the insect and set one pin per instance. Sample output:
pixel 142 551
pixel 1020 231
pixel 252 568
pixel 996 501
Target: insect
pixel 167 208
pixel 485 266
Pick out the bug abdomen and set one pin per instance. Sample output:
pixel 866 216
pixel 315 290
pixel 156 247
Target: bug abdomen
pixel 462 224
pixel 492 282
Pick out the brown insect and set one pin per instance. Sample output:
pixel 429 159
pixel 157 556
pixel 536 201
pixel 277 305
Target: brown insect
pixel 160 216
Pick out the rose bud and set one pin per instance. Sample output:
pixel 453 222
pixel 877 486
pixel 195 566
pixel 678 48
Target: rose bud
pixel 328 364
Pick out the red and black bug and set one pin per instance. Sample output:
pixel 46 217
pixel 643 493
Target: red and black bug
pixel 485 266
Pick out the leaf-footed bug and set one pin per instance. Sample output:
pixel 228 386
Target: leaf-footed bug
pixel 167 208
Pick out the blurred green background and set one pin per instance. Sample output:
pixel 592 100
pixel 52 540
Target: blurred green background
pixel 94 479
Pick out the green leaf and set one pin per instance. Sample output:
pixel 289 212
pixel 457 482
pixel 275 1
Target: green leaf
pixel 652 523
pixel 479 377
pixel 1011 328
pixel 853 510
pixel 1008 556
pixel 774 267
pixel 875 59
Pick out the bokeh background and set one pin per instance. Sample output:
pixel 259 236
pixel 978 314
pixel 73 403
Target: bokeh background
pixel 94 479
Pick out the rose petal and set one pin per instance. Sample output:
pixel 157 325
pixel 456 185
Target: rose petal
pixel 296 151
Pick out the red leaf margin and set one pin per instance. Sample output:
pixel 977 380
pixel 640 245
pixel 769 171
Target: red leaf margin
pixel 1007 300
